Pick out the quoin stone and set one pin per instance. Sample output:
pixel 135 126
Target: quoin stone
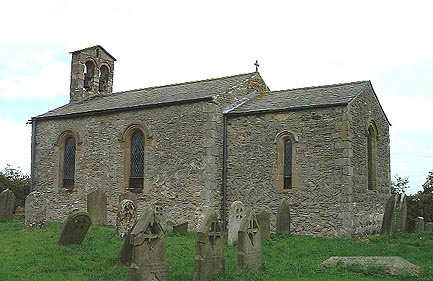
pixel 209 259
pixel 419 224
pixel 283 217
pixel 236 214
pixel 36 213
pixel 75 228
pixel 263 218
pixel 97 207
pixel 249 244
pixel 7 205
pixel 126 217
pixel 149 261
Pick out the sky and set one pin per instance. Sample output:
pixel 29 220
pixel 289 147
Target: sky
pixel 297 44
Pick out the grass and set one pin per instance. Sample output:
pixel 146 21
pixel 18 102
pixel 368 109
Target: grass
pixel 33 254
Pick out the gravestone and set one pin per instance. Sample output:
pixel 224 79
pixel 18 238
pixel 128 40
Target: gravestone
pixel 97 207
pixel 283 217
pixel 181 228
pixel 149 260
pixel 249 244
pixel 263 218
pixel 36 210
pixel 75 228
pixel 7 205
pixel 419 224
pixel 125 253
pixel 209 259
pixel 128 195
pixel 126 217
pixel 395 215
pixel 429 226
pixel 236 213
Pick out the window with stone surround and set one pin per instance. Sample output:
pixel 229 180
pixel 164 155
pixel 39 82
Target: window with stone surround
pixel 372 156
pixel 68 145
pixel 286 174
pixel 134 141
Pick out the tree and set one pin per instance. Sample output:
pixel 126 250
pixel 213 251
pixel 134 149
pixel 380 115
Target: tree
pixel 399 185
pixel 428 185
pixel 16 181
pixel 421 203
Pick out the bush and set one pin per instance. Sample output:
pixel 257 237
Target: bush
pixel 17 182
pixel 421 204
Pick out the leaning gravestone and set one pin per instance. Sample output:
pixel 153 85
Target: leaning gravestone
pixel 263 218
pixel 126 217
pixel 419 224
pixel 149 260
pixel 35 214
pixel 75 228
pixel 97 207
pixel 283 217
pixel 7 205
pixel 236 213
pixel 249 244
pixel 395 215
pixel 209 258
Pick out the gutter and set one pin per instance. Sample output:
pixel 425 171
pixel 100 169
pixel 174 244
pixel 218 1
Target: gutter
pixel 224 176
pixel 32 157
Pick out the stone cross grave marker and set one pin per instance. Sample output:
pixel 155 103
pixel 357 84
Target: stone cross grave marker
pixel 263 218
pixel 97 207
pixel 209 259
pixel 75 228
pixel 283 217
pixel 126 217
pixel 36 210
pixel 149 261
pixel 7 205
pixel 249 244
pixel 236 213
pixel 419 224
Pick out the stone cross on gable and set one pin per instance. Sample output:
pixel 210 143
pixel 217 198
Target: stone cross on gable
pixel 257 65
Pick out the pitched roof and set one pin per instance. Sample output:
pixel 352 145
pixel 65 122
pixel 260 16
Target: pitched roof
pixel 295 99
pixel 149 97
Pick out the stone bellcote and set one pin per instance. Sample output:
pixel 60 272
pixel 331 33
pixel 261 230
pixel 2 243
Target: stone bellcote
pixel 91 73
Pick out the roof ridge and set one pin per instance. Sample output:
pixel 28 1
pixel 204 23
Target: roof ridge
pixel 322 86
pixel 181 83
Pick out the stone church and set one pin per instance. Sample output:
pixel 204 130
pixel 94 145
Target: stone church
pixel 184 147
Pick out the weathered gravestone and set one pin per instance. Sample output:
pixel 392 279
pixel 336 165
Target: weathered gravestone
pixel 395 215
pixel 283 217
pixel 126 217
pixel 263 218
pixel 36 210
pixel 429 226
pixel 7 205
pixel 249 244
pixel 181 228
pixel 149 260
pixel 75 228
pixel 209 259
pixel 419 224
pixel 236 213
pixel 97 207
pixel 128 195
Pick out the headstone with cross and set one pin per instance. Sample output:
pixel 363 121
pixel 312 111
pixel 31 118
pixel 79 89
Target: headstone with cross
pixel 75 228
pixel 126 217
pixel 236 213
pixel 148 249
pixel 249 244
pixel 209 259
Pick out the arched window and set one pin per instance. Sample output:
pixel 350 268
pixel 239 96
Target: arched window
pixel 286 176
pixel 89 73
pixel 372 156
pixel 137 160
pixel 104 73
pixel 288 164
pixel 69 163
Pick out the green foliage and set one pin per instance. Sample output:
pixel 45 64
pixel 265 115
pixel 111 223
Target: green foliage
pixel 33 254
pixel 16 181
pixel 399 185
pixel 421 203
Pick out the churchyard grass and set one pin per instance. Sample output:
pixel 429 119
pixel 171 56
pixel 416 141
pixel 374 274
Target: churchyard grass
pixel 33 254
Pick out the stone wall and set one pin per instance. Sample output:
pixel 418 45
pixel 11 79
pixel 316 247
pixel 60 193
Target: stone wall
pixel 180 161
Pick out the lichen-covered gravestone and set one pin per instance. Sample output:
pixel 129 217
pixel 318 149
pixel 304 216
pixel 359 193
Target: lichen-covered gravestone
pixel 126 217
pixel 263 218
pixel 209 259
pixel 128 195
pixel 7 205
pixel 283 217
pixel 97 207
pixel 236 213
pixel 149 261
pixel 249 244
pixel 394 217
pixel 36 210
pixel 75 228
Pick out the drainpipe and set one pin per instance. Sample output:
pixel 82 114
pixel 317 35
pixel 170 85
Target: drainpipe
pixel 224 176
pixel 32 157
